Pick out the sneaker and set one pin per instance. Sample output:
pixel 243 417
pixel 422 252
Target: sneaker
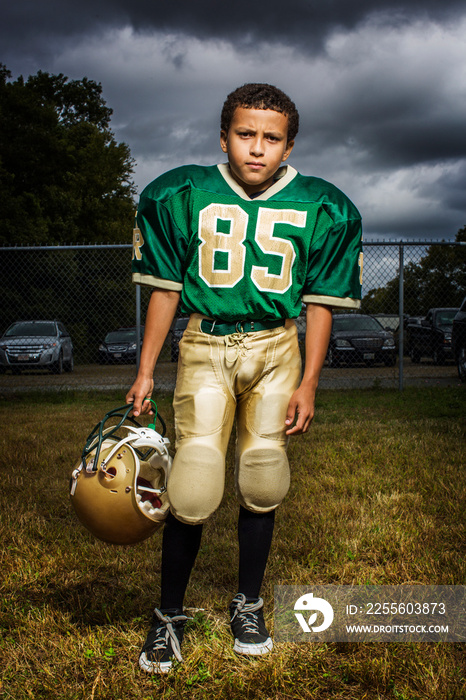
pixel 248 626
pixel 163 643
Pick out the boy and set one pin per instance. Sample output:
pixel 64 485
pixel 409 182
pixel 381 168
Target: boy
pixel 242 244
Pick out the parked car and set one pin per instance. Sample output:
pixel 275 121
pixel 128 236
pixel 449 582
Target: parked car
pixel 458 340
pixel 36 345
pixel 119 346
pixel 177 330
pixel 360 338
pixel 432 338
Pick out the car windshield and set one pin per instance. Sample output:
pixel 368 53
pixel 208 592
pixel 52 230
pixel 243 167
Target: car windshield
pixel 391 322
pixel 445 318
pixel 356 323
pixel 32 329
pixel 128 336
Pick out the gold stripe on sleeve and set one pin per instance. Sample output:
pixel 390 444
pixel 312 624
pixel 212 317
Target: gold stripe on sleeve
pixel 150 281
pixel 346 302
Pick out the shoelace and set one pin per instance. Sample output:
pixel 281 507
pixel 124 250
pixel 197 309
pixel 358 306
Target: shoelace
pixel 238 342
pixel 166 634
pixel 246 613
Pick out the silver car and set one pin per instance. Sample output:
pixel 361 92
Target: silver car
pixel 36 345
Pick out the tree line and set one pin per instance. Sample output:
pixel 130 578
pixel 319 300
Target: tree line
pixel 64 179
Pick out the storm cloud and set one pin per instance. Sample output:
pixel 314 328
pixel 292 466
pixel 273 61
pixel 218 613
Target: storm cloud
pixel 380 86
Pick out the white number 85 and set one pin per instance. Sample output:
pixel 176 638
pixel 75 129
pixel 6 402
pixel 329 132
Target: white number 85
pixel 232 244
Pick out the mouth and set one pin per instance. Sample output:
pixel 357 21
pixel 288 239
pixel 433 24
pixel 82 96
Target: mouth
pixel 253 165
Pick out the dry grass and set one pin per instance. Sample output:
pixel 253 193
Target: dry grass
pixel 378 496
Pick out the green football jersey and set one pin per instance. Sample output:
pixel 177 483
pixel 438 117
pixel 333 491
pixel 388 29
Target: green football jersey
pixel 236 258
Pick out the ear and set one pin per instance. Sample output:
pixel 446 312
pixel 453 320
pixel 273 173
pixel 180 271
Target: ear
pixel 289 148
pixel 223 141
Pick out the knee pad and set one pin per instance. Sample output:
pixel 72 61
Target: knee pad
pixel 262 478
pixel 196 481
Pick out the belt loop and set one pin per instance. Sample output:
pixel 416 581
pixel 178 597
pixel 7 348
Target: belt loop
pixel 239 327
pixel 213 326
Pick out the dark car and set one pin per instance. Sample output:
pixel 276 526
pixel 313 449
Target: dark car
pixel 432 338
pixel 458 340
pixel 177 330
pixel 36 345
pixel 119 347
pixel 360 338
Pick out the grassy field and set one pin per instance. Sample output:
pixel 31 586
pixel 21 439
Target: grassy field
pixel 377 496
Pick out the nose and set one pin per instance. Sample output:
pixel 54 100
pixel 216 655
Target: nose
pixel 257 147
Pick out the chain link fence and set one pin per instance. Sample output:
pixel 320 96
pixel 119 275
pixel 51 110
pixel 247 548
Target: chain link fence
pixel 411 289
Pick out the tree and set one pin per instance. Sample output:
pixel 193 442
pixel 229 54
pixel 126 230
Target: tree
pixel 439 279
pixel 64 178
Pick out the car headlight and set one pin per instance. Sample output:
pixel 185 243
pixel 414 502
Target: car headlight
pixel 340 343
pixel 132 346
pixel 389 343
pixel 46 346
pixel 102 347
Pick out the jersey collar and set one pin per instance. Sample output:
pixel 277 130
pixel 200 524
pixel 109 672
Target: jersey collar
pixel 285 175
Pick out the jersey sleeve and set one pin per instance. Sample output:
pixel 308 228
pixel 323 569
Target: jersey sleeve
pixel 159 246
pixel 334 271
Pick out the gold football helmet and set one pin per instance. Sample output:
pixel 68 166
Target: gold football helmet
pixel 118 490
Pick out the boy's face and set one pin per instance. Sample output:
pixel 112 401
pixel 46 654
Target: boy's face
pixel 256 144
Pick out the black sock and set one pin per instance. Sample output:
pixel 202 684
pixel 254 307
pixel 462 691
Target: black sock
pixel 180 545
pixel 255 531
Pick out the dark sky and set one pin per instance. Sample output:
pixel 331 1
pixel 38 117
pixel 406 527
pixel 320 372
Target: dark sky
pixel 380 86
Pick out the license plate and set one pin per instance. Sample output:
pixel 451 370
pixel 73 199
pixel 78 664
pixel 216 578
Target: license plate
pixel 117 354
pixel 23 358
pixel 369 355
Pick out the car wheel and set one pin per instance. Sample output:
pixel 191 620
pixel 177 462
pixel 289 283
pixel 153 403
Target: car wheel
pixel 69 366
pixel 462 363
pixel 439 357
pixel 57 367
pixel 332 359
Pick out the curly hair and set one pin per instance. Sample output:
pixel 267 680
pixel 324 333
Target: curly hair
pixel 260 96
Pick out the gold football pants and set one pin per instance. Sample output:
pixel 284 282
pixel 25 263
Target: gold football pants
pixel 252 376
